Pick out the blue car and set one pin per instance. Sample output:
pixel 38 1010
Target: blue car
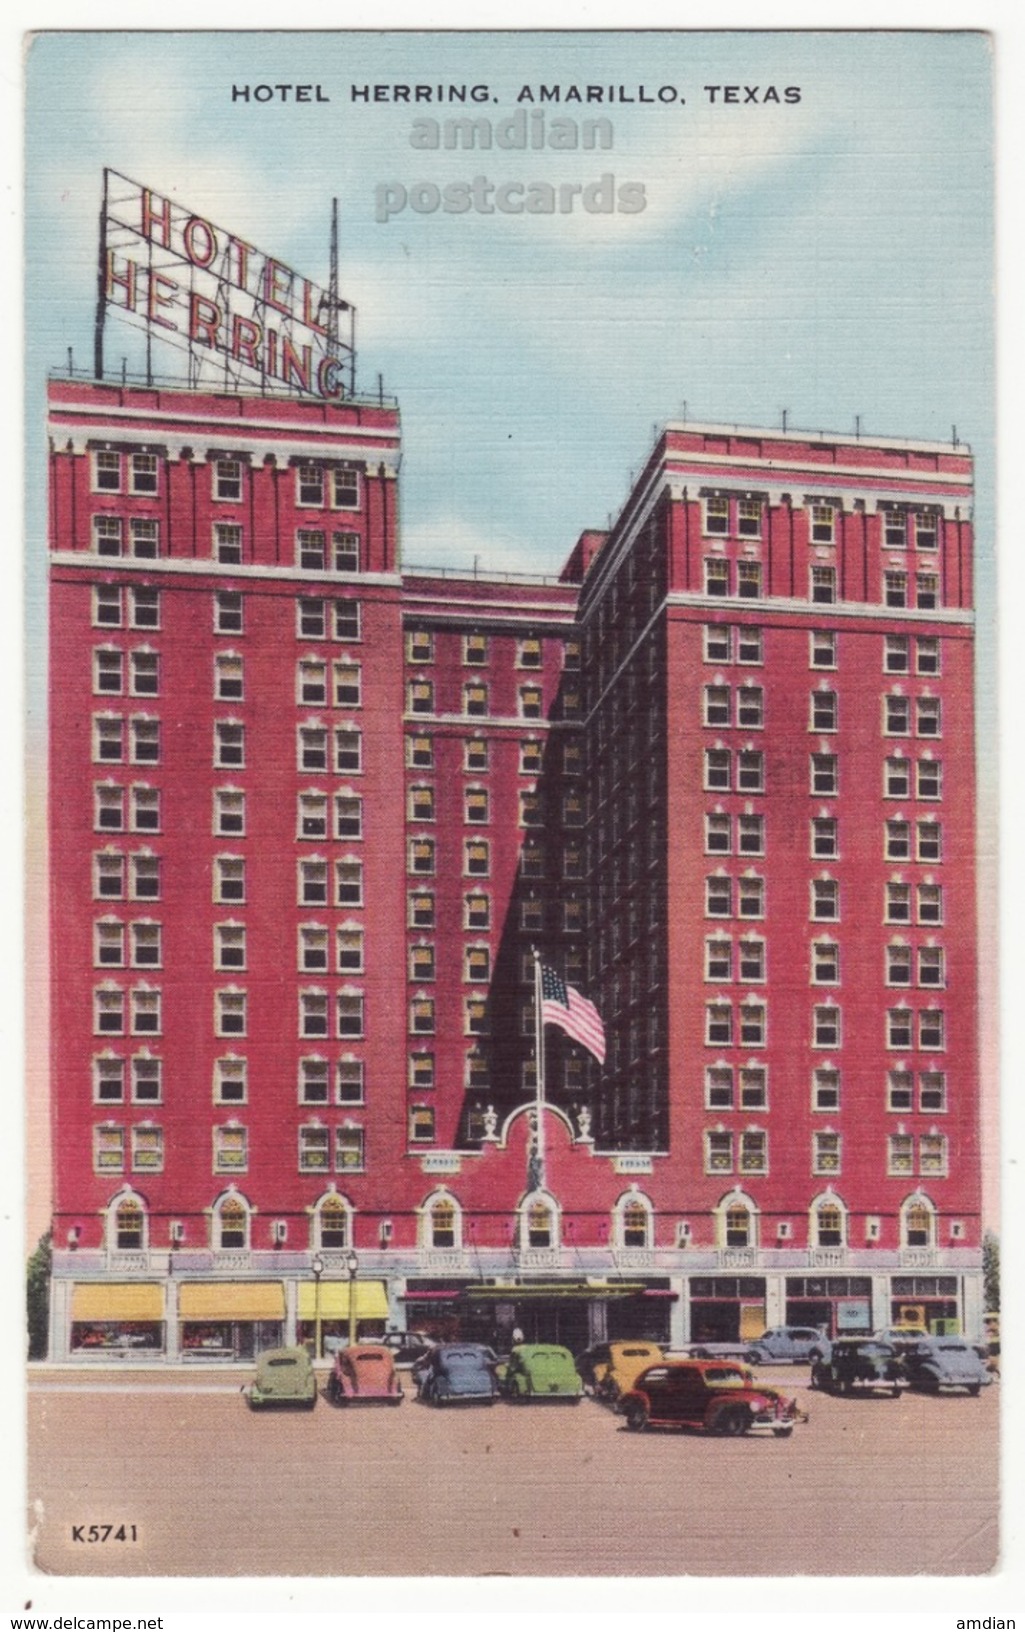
pixel 457 1374
pixel 787 1343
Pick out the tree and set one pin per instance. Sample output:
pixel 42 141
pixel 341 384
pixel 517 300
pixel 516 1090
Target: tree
pixel 991 1271
pixel 38 1298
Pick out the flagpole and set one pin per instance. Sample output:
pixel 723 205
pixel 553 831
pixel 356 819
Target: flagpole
pixel 539 1073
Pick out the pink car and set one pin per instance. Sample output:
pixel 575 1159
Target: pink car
pixel 366 1371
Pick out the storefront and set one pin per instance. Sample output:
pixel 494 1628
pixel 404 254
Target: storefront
pixel 326 1304
pixel 842 1304
pixel 128 1319
pixel 574 1314
pixel 230 1320
pixel 926 1300
pixel 727 1308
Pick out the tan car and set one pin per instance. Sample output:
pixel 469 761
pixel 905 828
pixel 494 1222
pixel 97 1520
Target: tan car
pixel 608 1370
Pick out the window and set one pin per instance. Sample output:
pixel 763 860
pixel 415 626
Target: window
pixel 421 1016
pixel 419 646
pixel 108 739
pixel 310 618
pixel 313 1014
pixel 229 946
pixel 895 529
pixel 717 769
pixel 421 856
pixel 333 1223
pixel 349 950
pixel 717 642
pixel 754 1154
pixel 107 535
pixel 750 707
pixel 531 757
pixel 311 822
pixel 823 523
pixel 345 485
pixel 420 697
pixel 752 1024
pixel 232 1217
pixel 826 1026
pixel 749 580
pixel 228 617
pixel 144 472
pixel 895 589
pixel 540 1224
pixel 749 644
pixel 751 896
pixel 129 1221
pixel 825 963
pixel 309 486
pixel 927 654
pixel 145 1012
pixel 897 846
pixel 528 653
pixel 896 654
pixel 477 857
pixel 108 808
pixel 228 677
pixel 229 879
pixel 313 883
pixel 932 1153
pixel 899 1094
pixel 108 670
pixel 926 529
pixel 144 742
pixel 718 839
pixel 897 903
pixel 930 903
pixel 824 775
pixel 348 620
pixel 227 542
pixel 312 949
pixel 899 1028
pixel 146 1080
pixel 719 1155
pixel 476 912
pixel 230 1081
pixel 420 753
pixel 530 702
pixel 825 1089
pixel 750 771
pixel 227 479
pixel 897 778
pixel 717 705
pixel 144 878
pixel 348 749
pixel 823 711
pixel 311 681
pixel 824 836
pixel 421 1132
pixel 718 1025
pixel 927 717
pixel 145 942
pixel 932 1029
pixel 932 1091
pixel 348 685
pixel 754 1093
pixel 929 779
pixel 477 963
pixel 106 471
pixel 420 910
pixel 823 649
pixel 421 1071
pixel 475 650
pixel 313 1082
pixel 826 1159
pixel 896 715
pixel 229 744
pixel 898 964
pixel 107 613
pixel 900 1154
pixel 144 809
pixel 420 804
pixel 718 896
pixel 823 585
pixel 144 674
pixel 314 1149
pixel 476 805
pixel 346 547
pixel 931 966
pixel 928 586
pixel 108 1149
pixel 717 576
pixel 350 1014
pixel 230 1014
pixel 749 518
pixel 717 515
pixel 350 1082
pixel 825 899
pixel 718 958
pixel 348 816
pixel 108 944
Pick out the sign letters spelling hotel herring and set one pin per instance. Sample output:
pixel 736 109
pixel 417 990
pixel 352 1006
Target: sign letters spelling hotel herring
pixel 239 315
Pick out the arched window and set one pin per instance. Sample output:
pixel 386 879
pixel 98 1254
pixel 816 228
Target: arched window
pixel 539 1221
pixel 738 1221
pixel 126 1223
pixel 331 1222
pixel 443 1223
pixel 918 1222
pixel 633 1220
pixel 828 1222
pixel 231 1222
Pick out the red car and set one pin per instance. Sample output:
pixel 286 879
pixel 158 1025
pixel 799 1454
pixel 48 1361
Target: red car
pixel 366 1371
pixel 710 1395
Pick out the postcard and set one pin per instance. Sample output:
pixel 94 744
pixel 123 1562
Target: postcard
pixel 511 568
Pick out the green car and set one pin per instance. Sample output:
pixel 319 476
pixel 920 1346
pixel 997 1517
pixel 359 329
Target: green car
pixel 283 1377
pixel 542 1371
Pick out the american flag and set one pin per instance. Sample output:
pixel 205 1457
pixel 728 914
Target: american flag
pixel 562 1005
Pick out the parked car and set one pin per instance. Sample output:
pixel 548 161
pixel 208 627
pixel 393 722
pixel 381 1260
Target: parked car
pixel 945 1362
pixel 283 1377
pixel 541 1371
pixel 709 1395
pixel 457 1373
pixel 610 1369
pixel 857 1362
pixel 902 1337
pixel 407 1347
pixel 364 1372
pixel 787 1343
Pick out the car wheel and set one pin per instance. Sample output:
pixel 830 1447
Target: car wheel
pixel 395 1399
pixel 636 1417
pixel 753 1357
pixel 895 1391
pixel 847 1385
pixel 733 1423
pixel 782 1433
pixel 975 1389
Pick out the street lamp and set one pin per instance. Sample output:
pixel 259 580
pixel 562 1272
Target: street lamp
pixel 352 1266
pixel 317 1266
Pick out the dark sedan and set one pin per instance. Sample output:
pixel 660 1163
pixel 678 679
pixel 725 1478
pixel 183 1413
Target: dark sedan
pixel 855 1363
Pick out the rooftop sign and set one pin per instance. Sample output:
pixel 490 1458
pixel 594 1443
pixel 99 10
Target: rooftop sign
pixel 236 315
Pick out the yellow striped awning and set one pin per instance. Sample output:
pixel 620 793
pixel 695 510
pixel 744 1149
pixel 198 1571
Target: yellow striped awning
pixel 231 1300
pixel 96 1300
pixel 371 1300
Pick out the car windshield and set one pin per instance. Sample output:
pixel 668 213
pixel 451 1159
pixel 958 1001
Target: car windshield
pixel 726 1377
pixel 463 1359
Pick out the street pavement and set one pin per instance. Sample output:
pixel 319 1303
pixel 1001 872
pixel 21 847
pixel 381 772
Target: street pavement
pixel 868 1486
